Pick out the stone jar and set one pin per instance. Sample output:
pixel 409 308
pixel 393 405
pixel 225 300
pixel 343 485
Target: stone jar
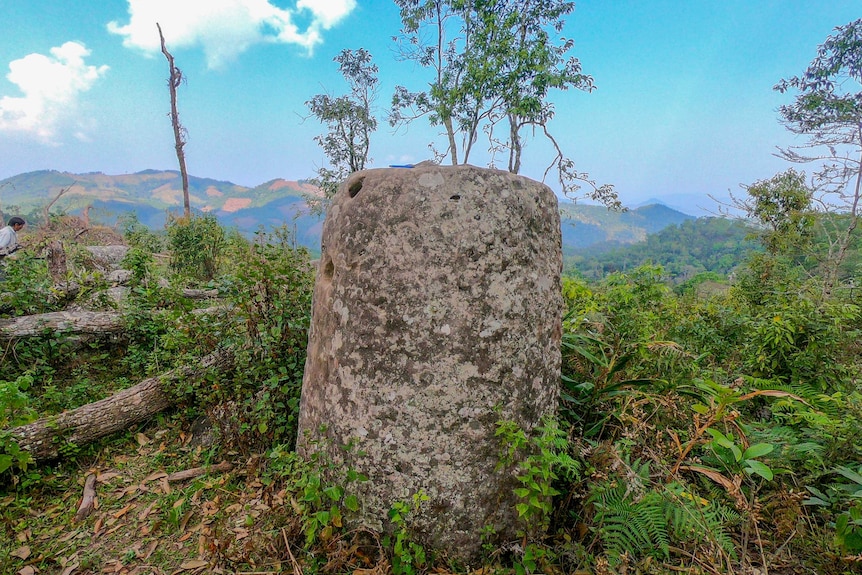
pixel 436 314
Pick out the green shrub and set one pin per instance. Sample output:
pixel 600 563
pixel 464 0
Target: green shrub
pixel 196 245
pixel 265 325
pixel 137 235
pixel 25 283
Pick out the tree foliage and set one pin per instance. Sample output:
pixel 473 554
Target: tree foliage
pixel 783 205
pixel 826 99
pixel 827 108
pixel 349 120
pixel 715 245
pixel 494 65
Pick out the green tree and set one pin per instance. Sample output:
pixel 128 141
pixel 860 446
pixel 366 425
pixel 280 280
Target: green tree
pixel 828 110
pixel 495 63
pixel 519 62
pixel 196 245
pixel 349 120
pixel 782 205
pixel 432 35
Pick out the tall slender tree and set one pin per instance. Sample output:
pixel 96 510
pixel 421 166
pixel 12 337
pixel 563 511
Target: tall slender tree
pixel 349 120
pixel 436 34
pixel 174 81
pixel 827 109
pixel 494 63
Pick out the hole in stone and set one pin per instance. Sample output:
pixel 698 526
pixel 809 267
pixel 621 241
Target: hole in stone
pixel 328 269
pixel 355 187
pixel 455 197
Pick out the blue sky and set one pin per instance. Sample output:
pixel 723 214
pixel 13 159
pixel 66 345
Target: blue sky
pixel 684 104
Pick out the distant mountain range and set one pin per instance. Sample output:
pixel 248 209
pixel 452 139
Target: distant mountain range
pixel 694 204
pixel 152 194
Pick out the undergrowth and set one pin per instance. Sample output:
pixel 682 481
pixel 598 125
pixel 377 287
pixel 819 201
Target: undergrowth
pixel 720 433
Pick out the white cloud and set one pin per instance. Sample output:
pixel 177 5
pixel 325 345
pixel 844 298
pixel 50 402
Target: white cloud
pixel 50 86
pixel 226 28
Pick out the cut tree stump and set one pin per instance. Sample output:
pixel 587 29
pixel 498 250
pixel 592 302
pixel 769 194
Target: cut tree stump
pixel 56 257
pixel 93 421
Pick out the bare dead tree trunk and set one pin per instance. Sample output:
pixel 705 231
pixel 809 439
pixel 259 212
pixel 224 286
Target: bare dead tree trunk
pixel 85 218
pixel 176 78
pixel 93 421
pixel 46 209
pixel 846 237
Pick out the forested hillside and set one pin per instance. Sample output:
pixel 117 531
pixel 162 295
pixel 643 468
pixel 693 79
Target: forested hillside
pixel 151 196
pixel 714 245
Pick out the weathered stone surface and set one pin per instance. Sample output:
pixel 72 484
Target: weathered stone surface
pixel 436 314
pixel 108 257
pixel 119 277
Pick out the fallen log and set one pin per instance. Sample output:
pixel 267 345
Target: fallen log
pixel 75 322
pixel 43 438
pixel 200 293
pixel 78 322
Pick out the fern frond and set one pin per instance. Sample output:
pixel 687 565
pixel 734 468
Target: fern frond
pixel 628 526
pixel 700 522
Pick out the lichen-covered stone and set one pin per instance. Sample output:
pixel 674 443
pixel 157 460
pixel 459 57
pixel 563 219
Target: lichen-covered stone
pixel 107 257
pixel 436 314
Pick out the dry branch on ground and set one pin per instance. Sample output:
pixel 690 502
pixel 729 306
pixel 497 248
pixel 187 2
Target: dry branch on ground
pixel 88 499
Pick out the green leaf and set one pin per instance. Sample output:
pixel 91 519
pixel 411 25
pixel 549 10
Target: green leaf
pixel 719 438
pixel 757 450
pixel 351 503
pixel 841 523
pixel 849 474
pixel 334 492
pixel 759 468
